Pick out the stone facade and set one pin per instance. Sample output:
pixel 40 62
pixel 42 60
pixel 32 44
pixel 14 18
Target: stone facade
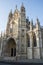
pixel 22 39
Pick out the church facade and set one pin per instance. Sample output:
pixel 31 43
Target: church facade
pixel 22 40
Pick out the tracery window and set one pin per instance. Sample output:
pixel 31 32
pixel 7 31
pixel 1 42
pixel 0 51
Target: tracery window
pixel 28 40
pixel 34 40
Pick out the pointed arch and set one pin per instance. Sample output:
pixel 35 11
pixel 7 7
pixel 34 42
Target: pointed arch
pixel 28 40
pixel 10 48
pixel 34 40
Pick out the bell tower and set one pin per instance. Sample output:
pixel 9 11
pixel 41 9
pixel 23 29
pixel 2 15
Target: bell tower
pixel 23 16
pixel 23 32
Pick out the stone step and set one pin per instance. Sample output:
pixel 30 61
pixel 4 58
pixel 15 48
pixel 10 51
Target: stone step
pixel 20 57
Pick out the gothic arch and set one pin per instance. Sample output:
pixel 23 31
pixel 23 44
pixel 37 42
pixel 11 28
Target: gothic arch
pixel 34 40
pixel 10 48
pixel 28 40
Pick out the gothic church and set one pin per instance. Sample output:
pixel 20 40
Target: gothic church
pixel 23 39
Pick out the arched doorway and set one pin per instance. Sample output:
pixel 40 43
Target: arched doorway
pixel 10 49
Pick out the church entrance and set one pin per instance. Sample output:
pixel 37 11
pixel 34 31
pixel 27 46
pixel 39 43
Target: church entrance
pixel 13 51
pixel 10 48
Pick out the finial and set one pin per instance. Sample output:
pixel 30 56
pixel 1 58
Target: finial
pixel 31 24
pixel 10 13
pixel 16 6
pixel 22 3
pixel 37 24
pixel 37 20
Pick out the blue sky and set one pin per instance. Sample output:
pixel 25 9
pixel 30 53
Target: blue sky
pixel 34 9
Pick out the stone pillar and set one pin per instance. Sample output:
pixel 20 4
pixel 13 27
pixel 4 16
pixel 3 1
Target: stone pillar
pixel 40 44
pixel 29 49
pixel 38 39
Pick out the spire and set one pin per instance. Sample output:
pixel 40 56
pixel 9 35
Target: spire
pixel 22 4
pixel 37 21
pixel 16 10
pixel 16 6
pixel 22 8
pixel 10 14
pixel 31 24
pixel 37 24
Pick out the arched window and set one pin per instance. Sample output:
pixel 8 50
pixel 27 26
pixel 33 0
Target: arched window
pixel 28 40
pixel 34 40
